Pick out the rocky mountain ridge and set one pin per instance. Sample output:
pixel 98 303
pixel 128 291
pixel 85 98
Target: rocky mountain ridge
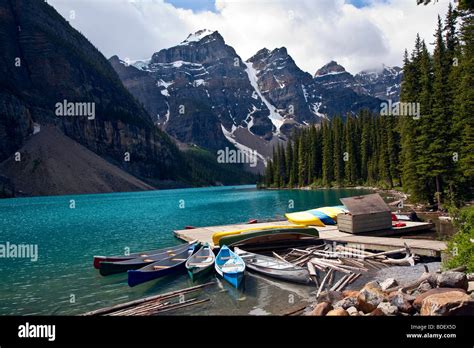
pixel 202 92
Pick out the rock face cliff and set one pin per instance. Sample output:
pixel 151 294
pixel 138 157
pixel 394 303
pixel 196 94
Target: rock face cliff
pixel 383 83
pixel 202 92
pixel 44 61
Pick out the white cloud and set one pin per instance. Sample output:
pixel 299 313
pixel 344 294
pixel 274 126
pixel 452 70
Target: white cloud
pixel 314 31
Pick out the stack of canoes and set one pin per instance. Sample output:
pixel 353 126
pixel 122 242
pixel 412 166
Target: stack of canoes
pixel 264 235
pixel 317 217
pixel 149 265
pixel 119 264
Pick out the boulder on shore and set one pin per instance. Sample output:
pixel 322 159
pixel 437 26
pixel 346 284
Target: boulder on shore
pixel 451 279
pixel 377 312
pixel 353 312
pixel 350 293
pixel 420 298
pixel 321 309
pixel 346 303
pixel 453 302
pixel 387 308
pixel 338 312
pixel 370 296
pixel 423 287
pixel 388 283
pixel 403 302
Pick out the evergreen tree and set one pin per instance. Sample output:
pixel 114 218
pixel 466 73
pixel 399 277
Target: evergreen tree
pixel 349 154
pixel 436 153
pixel 338 161
pixel 302 169
pixel 327 169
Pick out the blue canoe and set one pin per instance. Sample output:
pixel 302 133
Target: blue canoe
pixel 230 266
pixel 161 268
pixel 325 219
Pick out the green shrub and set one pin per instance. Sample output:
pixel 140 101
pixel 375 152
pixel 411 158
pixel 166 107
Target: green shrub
pixel 461 245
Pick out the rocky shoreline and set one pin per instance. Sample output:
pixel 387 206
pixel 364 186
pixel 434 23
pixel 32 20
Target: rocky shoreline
pixel 432 294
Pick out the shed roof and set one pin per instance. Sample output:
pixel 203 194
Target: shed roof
pixel 366 204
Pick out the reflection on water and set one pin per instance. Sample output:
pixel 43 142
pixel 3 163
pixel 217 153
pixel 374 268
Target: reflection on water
pixel 259 296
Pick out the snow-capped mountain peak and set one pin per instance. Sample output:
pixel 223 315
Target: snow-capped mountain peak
pixel 331 68
pixel 197 36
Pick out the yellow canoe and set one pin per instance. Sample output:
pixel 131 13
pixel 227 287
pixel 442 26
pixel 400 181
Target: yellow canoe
pixel 218 235
pixel 332 212
pixel 316 217
pixel 304 218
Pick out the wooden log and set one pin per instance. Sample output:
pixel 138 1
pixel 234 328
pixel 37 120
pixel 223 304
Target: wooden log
pixel 278 257
pixel 330 265
pixel 295 311
pixel 319 267
pixel 354 262
pixel 146 299
pixel 330 280
pixel 312 273
pixel 384 253
pixel 323 282
pixel 406 261
pixel 152 310
pixel 339 282
pixel 182 305
pixel 345 282
pixel 303 261
pixel 349 262
pixel 373 264
pixel 357 251
pixel 357 275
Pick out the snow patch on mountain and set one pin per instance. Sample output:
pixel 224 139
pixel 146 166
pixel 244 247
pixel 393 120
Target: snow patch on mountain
pixel 230 137
pixel 330 73
pixel 314 107
pixel 199 82
pixel 274 116
pixel 197 36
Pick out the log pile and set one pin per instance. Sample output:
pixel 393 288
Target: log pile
pixel 334 267
pixel 154 305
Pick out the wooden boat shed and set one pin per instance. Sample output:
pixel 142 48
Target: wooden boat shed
pixel 366 213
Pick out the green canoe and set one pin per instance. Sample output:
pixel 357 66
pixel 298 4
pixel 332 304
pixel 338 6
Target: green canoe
pixel 270 236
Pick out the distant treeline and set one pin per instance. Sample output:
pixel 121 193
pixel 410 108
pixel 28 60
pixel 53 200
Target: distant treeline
pixel 431 156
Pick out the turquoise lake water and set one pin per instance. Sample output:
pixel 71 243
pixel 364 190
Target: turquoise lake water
pixel 63 280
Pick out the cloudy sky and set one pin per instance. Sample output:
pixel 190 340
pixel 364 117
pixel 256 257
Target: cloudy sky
pixel 358 34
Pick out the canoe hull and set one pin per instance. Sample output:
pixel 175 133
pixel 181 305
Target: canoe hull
pixel 99 259
pixel 230 266
pixel 171 265
pixel 274 268
pixel 118 258
pixel 196 273
pixel 135 277
pixel 316 217
pixel 201 263
pixel 267 237
pixel 109 268
pixel 235 279
pixel 298 276
pixel 114 267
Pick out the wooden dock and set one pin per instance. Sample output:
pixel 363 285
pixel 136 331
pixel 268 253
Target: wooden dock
pixel 378 240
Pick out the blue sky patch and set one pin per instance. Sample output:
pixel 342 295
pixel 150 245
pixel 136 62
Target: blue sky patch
pixel 195 5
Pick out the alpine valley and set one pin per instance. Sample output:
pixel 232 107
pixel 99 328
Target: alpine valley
pixel 157 123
